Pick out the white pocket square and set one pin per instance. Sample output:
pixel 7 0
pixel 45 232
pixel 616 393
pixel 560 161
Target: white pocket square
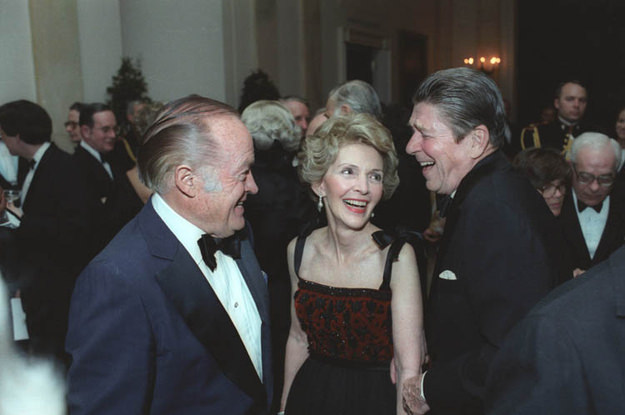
pixel 448 275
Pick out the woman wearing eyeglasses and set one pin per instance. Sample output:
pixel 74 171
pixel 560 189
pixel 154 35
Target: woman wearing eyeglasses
pixel 548 172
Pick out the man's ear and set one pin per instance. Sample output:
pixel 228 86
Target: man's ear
pixel 85 130
pixel 479 141
pixel 556 103
pixel 345 109
pixel 186 181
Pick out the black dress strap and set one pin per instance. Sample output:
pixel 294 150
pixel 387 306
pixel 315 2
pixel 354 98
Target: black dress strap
pixel 301 241
pixel 397 241
pixel 384 239
pixel 299 252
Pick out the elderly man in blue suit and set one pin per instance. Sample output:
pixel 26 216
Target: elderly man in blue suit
pixel 172 316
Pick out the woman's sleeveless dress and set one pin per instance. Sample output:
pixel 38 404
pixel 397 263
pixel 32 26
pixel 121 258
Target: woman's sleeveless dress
pixel 349 342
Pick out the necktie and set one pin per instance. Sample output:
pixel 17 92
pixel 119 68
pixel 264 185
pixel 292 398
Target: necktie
pixel 581 206
pixel 230 246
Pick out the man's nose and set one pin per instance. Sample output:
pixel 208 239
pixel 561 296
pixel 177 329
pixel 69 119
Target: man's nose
pixel 414 144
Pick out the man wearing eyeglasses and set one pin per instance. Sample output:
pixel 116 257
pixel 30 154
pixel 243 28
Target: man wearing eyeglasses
pixel 72 126
pixel 114 202
pixel 593 215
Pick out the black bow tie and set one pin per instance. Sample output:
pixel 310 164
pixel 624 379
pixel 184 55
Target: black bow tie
pixel 581 206
pixel 230 246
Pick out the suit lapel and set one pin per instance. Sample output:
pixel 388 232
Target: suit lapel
pixel 252 275
pixel 613 227
pixel 41 171
pixel 185 285
pixel 573 231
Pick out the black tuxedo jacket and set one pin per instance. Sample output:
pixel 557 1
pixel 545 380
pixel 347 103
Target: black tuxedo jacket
pixel 114 201
pixel 52 242
pixel 566 357
pixel 148 334
pixel 498 256
pixel 613 233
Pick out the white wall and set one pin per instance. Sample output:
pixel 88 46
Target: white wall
pixel 99 28
pixel 180 46
pixel 17 70
pixel 240 47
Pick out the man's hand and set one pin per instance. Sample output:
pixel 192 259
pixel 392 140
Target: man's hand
pixel 413 403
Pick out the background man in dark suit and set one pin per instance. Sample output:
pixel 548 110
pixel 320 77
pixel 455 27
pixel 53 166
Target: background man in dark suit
pixel 160 322
pixel 50 238
pixel 593 213
pixel 566 356
pixel 496 258
pixel 111 196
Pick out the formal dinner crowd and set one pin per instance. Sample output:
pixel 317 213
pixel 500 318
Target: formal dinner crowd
pixel 364 258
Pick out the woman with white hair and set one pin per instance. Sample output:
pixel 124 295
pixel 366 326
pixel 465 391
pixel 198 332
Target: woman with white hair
pixel 277 211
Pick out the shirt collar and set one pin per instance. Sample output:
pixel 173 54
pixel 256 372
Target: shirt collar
pixel 186 232
pixel 40 152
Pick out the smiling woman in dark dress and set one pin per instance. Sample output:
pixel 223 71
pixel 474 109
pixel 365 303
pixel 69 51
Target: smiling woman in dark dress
pixel 348 278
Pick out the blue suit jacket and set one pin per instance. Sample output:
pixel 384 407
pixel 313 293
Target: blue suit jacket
pixel 148 335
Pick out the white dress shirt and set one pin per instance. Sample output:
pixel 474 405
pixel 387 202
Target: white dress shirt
pixel 97 156
pixel 8 164
pixel 592 223
pixel 227 281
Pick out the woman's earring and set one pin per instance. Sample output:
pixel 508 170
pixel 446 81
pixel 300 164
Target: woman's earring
pixel 320 204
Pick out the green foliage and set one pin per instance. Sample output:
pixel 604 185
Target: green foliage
pixel 128 85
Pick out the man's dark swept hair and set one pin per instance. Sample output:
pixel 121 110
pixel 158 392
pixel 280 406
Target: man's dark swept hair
pixel 558 90
pixel 77 106
pixel 89 110
pixel 29 120
pixel 465 98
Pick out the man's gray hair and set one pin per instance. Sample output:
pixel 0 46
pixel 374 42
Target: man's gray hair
pixel 596 141
pixel 359 96
pixel 181 134
pixel 466 98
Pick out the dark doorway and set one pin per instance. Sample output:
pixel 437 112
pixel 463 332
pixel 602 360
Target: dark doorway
pixel 360 61
pixel 571 39
pixel 412 64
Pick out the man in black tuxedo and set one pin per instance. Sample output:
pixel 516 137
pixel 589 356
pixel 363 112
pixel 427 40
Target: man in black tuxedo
pixel 172 318
pixel 50 234
pixel 593 213
pixel 500 244
pixel 566 357
pixel 111 196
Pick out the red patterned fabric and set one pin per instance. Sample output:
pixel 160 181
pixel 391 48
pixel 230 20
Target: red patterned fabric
pixel 345 323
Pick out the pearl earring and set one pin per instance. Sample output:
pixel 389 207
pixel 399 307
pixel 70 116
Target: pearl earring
pixel 320 204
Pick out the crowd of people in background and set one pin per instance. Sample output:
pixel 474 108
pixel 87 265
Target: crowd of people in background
pixel 388 260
